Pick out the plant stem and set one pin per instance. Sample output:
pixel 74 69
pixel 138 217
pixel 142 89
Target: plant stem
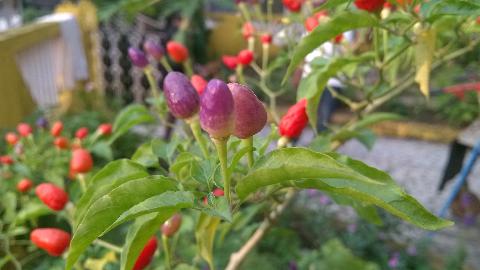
pixel 237 257
pixel 239 71
pixel 109 246
pixel 166 249
pixel 197 133
pixel 151 81
pixel 265 50
pixel 187 65
pixel 166 65
pixel 249 143
pixel 81 180
pixel 221 145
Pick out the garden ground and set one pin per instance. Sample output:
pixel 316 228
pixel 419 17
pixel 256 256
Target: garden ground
pixel 418 167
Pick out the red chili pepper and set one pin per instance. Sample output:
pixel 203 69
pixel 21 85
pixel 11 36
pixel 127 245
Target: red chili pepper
pixel 6 160
pixel 105 129
pixel 81 133
pixel 248 30
pixel 266 38
pixel 293 5
pixel 24 129
pixel 171 226
pixel 11 138
pixel 177 51
pixel 218 192
pixel 81 161
pixel 52 196
pixel 61 142
pixel 338 39
pixel 230 61
pixel 24 185
pixel 199 83
pixel 146 255
pixel 56 129
pixel 54 241
pixel 245 57
pixel 311 23
pixel 370 5
pixel 295 120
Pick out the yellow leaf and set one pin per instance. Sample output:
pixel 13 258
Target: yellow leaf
pixel 205 235
pixel 99 264
pixel 424 50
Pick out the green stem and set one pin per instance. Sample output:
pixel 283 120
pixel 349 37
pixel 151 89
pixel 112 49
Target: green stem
pixel 221 145
pixel 109 246
pixel 81 180
pixel 266 48
pixel 239 71
pixel 249 143
pixel 376 44
pixel 197 133
pixel 166 249
pixel 166 65
pixel 187 65
pixel 151 80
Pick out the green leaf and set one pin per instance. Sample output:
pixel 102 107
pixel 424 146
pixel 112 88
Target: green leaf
pixel 138 235
pixel 312 87
pixel 433 9
pixel 367 138
pixel 128 118
pixel 103 150
pixel 336 256
pixel 145 156
pixel 340 23
pixel 217 207
pixel 109 177
pixel 31 211
pixel 106 210
pixel 330 4
pixel 9 202
pixel 205 236
pixel 375 118
pixel 336 174
pixel 166 200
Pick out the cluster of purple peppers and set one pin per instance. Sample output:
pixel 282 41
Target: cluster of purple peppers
pixel 224 109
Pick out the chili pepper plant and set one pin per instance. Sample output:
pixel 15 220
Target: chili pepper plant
pixel 217 167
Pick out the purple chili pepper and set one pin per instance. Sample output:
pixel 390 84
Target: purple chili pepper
pixel 137 57
pixel 42 122
pixel 182 98
pixel 250 114
pixel 217 110
pixel 154 49
pixel 394 261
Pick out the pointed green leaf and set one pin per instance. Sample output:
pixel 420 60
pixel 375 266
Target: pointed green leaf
pixel 109 177
pixel 303 168
pixel 105 211
pixel 128 118
pixel 166 200
pixel 340 23
pixel 205 235
pixel 145 156
pixel 138 235
pixel 312 87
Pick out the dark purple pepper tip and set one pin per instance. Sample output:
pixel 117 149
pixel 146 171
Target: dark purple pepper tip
pixel 42 122
pixel 182 99
pixel 250 114
pixel 217 110
pixel 137 57
pixel 154 49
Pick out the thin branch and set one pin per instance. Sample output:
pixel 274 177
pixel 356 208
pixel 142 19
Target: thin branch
pixel 237 257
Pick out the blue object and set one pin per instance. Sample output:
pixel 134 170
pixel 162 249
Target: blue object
pixel 461 179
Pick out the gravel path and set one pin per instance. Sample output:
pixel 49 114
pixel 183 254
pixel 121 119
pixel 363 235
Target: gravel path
pixel 418 167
